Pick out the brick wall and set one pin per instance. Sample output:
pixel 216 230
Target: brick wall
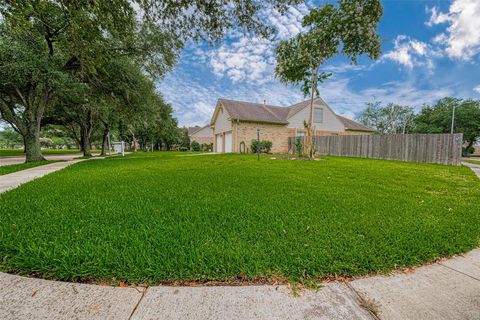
pixel 278 134
pixel 247 131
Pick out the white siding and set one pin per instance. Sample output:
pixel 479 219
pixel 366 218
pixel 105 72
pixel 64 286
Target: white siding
pixel 218 143
pixel 330 121
pixel 222 123
pixel 206 132
pixel 228 142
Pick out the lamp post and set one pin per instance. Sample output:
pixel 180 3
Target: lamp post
pixel 258 144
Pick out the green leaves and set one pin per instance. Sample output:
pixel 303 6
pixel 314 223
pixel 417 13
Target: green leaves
pixel 350 27
pixel 438 118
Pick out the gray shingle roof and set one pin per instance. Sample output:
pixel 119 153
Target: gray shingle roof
pixel 192 130
pixel 258 112
pixel 248 111
pixel 353 125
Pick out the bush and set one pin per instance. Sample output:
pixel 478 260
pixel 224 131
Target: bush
pixel 265 146
pixel 195 146
pixel 299 146
pixel 183 149
pixel 207 147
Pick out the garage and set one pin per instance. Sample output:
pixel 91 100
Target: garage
pixel 228 142
pixel 218 143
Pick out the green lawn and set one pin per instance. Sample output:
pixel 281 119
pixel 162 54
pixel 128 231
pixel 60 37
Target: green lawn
pixel 157 217
pixel 19 152
pixel 21 166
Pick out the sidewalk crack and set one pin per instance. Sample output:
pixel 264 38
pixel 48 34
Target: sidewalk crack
pixel 465 274
pixel 364 303
pixel 138 303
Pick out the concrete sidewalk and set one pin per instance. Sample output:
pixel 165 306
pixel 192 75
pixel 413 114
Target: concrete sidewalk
pixel 13 180
pixel 445 290
pixel 6 161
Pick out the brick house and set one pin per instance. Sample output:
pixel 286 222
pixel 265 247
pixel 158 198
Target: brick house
pixel 201 134
pixel 235 124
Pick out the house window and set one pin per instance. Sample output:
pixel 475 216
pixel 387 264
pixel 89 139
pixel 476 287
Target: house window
pixel 318 115
pixel 300 134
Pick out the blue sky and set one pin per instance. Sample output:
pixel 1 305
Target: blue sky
pixel 430 49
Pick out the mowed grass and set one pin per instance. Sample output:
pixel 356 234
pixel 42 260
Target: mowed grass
pixel 22 166
pixel 152 218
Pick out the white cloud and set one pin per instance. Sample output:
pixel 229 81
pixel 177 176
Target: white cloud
pixel 477 89
pixel 411 52
pixel 194 100
pixel 462 37
pixel 251 59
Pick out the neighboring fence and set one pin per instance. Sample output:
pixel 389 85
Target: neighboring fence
pixel 433 148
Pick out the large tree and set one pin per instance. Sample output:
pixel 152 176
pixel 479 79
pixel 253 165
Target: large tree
pixel 392 118
pixel 44 42
pixel 438 118
pixel 349 28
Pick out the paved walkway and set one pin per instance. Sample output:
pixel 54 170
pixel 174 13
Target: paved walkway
pixel 13 180
pixel 446 290
pixel 5 161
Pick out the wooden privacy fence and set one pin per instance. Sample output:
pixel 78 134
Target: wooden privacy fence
pixel 433 148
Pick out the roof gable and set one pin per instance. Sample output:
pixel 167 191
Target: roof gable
pixel 258 112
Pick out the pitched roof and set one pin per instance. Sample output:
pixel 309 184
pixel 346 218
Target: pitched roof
pixel 192 130
pixel 353 125
pixel 258 112
pixel 248 111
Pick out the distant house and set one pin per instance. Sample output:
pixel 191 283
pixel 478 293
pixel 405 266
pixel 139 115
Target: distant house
pixel 201 134
pixel 235 123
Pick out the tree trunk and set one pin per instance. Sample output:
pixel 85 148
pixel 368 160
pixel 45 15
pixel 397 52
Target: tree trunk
pixel 82 143
pixel 106 131
pixel 85 142
pixel 310 117
pixel 86 129
pixel 32 144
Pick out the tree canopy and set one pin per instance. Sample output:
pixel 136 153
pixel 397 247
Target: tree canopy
pixel 349 28
pixel 438 118
pixel 89 60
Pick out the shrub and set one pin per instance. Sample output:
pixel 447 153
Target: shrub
pixel 265 146
pixel 195 146
pixel 299 146
pixel 183 149
pixel 254 146
pixel 207 147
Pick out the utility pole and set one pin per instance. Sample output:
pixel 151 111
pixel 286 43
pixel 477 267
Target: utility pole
pixel 453 119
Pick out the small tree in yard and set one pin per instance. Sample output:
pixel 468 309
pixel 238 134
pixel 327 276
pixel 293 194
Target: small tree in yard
pixel 195 146
pixel 351 26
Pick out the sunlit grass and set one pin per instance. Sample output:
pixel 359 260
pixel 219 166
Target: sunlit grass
pixel 153 217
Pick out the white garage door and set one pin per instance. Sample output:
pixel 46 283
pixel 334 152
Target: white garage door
pixel 219 143
pixel 228 142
